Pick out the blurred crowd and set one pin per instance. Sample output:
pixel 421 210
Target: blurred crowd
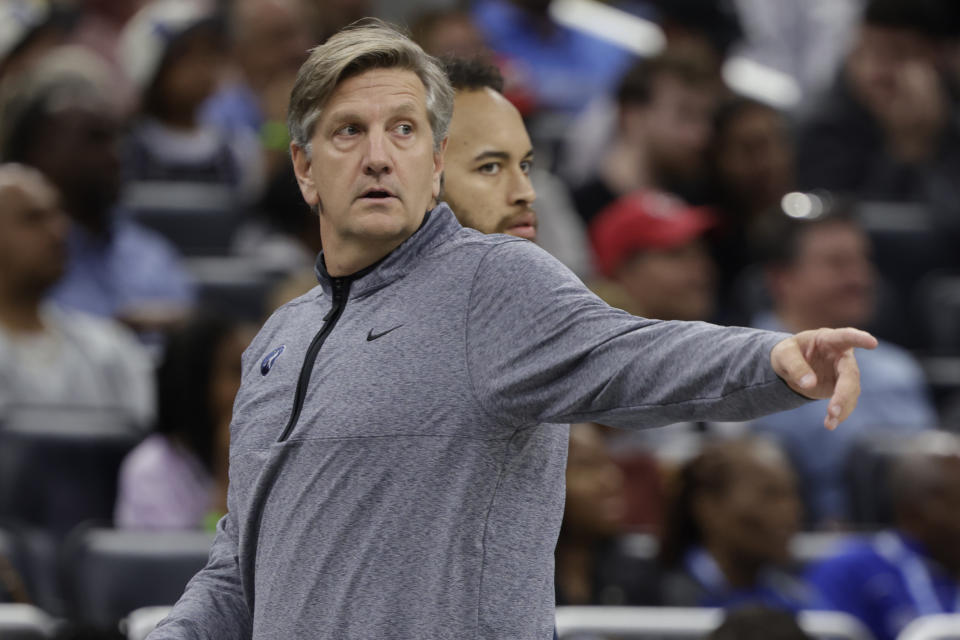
pixel 784 165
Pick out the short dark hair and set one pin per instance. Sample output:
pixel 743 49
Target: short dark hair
pixel 637 85
pixel 472 74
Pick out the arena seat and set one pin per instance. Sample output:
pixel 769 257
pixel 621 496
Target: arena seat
pixel 108 573
pixel 198 219
pixel 58 465
pixel 140 622
pixel 681 623
pixel 237 287
pixel 933 627
pixel 26 622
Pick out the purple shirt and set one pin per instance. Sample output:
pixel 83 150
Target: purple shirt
pixel 163 486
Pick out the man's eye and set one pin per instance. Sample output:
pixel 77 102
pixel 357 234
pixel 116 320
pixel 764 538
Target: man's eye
pixel 404 129
pixel 348 130
pixel 526 166
pixel 490 169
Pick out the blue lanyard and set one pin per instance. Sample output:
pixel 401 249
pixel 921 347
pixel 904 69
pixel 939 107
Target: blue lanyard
pixel 914 573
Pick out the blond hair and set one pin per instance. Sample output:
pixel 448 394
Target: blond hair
pixel 365 45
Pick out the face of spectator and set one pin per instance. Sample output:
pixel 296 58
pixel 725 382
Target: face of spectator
pixel 454 35
pixel 487 166
pixel 191 72
pixel 831 281
pixel 675 127
pixel 373 171
pixel 754 517
pixel 78 150
pixel 672 284
pixel 272 38
pixel 596 501
pixel 880 62
pixel 33 233
pixel 755 158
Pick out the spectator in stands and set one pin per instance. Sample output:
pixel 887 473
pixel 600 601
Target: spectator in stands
pixel 819 274
pixel 30 29
pixel 759 623
pixel 51 357
pixel 174 53
pixel 751 168
pixel 489 177
pixel 592 567
pixel 177 477
pixel 728 529
pixel 59 119
pixel 913 569
pixel 886 129
pixel 665 110
pixel 652 246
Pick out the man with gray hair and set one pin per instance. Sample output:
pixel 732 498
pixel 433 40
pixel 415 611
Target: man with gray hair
pixel 914 568
pixel 391 472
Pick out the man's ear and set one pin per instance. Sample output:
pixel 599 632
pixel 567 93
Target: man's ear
pixel 438 168
pixel 301 167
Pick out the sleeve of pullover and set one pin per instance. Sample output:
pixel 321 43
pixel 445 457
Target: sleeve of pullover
pixel 213 606
pixel 540 347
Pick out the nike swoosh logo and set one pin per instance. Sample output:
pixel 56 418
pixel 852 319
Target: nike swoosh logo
pixel 373 336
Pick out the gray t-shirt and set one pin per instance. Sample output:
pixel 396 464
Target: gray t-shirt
pixel 420 491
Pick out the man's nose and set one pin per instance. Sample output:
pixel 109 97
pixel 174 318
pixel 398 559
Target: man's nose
pixel 521 191
pixel 377 161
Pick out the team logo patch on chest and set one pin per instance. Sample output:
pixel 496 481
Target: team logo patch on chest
pixel 267 363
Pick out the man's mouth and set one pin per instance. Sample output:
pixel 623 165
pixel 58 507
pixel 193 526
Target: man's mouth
pixel 523 226
pixel 377 193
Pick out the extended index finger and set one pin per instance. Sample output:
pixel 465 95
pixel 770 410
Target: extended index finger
pixel 849 337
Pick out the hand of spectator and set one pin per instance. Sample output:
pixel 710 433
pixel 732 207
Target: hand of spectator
pixel 820 364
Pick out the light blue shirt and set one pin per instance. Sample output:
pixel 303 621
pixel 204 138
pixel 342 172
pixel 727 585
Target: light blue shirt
pixel 893 397
pixel 135 267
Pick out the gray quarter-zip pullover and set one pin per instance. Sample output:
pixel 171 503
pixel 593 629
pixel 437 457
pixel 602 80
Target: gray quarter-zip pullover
pixel 409 486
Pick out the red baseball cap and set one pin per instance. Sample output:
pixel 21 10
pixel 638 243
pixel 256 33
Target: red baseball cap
pixel 645 219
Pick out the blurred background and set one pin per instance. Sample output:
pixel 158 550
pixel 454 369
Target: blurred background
pixel 783 164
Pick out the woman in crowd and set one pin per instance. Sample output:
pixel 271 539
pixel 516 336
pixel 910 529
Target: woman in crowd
pixel 729 527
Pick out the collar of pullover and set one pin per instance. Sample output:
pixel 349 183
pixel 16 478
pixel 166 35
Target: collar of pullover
pixel 438 225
